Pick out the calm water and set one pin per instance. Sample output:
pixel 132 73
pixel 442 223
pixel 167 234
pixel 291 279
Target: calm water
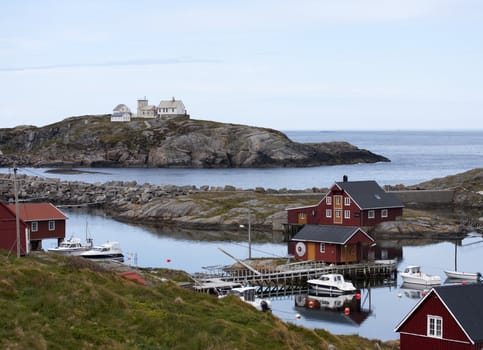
pixel 388 304
pixel 415 157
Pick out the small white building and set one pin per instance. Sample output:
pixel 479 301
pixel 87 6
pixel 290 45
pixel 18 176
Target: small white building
pixel 121 113
pixel 165 110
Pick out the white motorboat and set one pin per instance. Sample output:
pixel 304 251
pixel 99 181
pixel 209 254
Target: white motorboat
pixel 106 251
pixel 412 274
pixel 71 246
pixel 330 284
pixel 467 276
pixel 248 295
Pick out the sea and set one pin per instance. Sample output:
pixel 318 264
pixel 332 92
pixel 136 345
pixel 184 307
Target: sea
pixel 416 156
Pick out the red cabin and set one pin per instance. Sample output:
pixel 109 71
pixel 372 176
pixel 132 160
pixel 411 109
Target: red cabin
pixel 43 220
pixel 350 203
pixel 332 244
pixel 448 317
pixel 8 230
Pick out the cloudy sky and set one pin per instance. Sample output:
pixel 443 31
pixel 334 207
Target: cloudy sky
pixel 288 65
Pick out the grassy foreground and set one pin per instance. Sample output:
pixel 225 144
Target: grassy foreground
pixel 54 302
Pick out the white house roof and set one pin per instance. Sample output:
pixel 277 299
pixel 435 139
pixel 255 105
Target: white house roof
pixel 121 108
pixel 171 103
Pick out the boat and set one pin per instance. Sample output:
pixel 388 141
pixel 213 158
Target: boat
pixel 107 251
pixel 412 274
pixel 215 286
pixel 248 295
pixel 71 246
pixel 467 276
pixel 414 291
pixel 330 284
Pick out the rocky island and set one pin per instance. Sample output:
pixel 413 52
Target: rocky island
pixel 96 141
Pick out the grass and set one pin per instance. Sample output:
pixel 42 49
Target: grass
pixel 54 302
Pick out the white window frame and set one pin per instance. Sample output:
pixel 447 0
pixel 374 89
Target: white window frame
pixel 328 213
pixel 322 247
pixel 328 200
pixel 371 214
pixel 51 225
pixel 35 226
pixel 384 213
pixel 338 213
pixel 337 200
pixel 434 326
pixel 347 214
pixel 347 201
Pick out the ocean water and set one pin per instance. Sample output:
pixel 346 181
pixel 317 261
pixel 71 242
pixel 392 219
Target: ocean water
pixel 416 156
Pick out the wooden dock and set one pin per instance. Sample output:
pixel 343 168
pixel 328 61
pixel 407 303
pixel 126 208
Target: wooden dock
pixel 293 277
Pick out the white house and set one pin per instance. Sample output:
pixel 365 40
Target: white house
pixel 121 113
pixel 165 110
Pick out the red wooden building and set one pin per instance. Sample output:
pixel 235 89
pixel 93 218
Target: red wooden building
pixel 332 244
pixel 448 317
pixel 349 203
pixel 43 220
pixel 8 231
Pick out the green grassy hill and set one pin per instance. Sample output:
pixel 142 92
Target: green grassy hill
pixel 54 302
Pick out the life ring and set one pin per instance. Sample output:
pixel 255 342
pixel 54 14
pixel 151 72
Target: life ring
pixel 300 249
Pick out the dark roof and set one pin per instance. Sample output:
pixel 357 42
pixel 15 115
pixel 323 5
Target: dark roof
pixel 327 233
pixel 369 195
pixel 465 302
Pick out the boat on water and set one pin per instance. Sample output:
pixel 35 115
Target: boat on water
pixel 330 284
pixel 248 295
pixel 412 274
pixel 71 246
pixel 467 276
pixel 414 291
pixel 108 251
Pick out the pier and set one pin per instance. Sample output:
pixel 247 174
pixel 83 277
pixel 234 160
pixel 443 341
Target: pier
pixel 292 278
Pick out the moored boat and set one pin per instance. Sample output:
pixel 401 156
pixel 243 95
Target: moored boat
pixel 248 295
pixel 330 284
pixel 107 251
pixel 412 274
pixel 459 275
pixel 71 246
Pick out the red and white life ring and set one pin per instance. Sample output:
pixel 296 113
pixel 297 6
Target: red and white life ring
pixel 300 249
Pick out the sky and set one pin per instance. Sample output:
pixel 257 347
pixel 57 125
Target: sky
pixel 286 65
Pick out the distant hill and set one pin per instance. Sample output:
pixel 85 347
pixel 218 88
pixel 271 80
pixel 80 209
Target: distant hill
pixel 95 141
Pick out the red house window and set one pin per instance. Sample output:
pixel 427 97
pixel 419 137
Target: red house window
pixel 347 214
pixel 35 226
pixel 384 213
pixel 435 326
pixel 328 200
pixel 328 213
pixel 347 201
pixel 371 214
pixel 51 225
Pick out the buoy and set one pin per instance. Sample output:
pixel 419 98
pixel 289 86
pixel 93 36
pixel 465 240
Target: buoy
pixel 399 295
pixel 358 296
pixel 463 283
pixel 168 260
pixel 297 316
pixel 347 311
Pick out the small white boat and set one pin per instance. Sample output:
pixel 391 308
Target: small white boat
pixel 247 294
pixel 330 284
pixel 412 274
pixel 468 276
pixel 71 246
pixel 106 251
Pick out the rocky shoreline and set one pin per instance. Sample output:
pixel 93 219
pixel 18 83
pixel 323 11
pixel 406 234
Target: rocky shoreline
pixel 207 208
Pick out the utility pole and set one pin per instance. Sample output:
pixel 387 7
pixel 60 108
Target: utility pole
pixel 249 234
pixel 17 224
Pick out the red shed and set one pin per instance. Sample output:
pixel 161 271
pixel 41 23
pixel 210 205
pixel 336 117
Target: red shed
pixel 332 244
pixel 448 317
pixel 44 221
pixel 350 203
pixel 8 230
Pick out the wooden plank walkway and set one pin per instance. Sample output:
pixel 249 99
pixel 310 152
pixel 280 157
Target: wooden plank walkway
pixel 291 276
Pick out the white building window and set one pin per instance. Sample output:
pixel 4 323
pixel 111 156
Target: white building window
pixel 384 213
pixel 51 225
pixel 322 247
pixel 328 200
pixel 328 213
pixel 371 214
pixel 435 326
pixel 347 214
pixel 35 226
pixel 347 201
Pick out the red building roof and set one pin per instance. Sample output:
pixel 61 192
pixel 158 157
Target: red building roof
pixel 38 211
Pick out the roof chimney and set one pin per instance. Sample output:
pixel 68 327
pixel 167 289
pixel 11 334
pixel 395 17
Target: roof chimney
pixel 345 178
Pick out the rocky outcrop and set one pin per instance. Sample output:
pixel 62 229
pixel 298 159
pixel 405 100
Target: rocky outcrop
pixel 95 141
